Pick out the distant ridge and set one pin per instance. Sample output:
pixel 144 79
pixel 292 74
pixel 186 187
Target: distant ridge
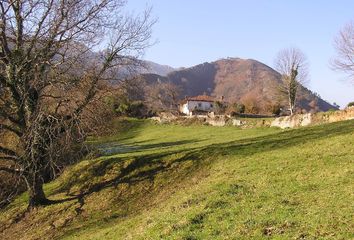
pixel 155 68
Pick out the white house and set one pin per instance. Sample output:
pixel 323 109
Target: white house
pixel 201 103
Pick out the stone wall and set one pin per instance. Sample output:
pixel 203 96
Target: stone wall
pixel 218 121
pixel 300 120
pixel 294 121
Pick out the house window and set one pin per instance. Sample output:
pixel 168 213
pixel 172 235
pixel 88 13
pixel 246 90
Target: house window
pixel 211 105
pixel 199 105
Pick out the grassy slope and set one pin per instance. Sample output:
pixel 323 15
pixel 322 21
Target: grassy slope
pixel 199 182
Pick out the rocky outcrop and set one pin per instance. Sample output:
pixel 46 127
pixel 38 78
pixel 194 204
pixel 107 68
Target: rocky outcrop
pixel 313 119
pixel 292 121
pixel 217 121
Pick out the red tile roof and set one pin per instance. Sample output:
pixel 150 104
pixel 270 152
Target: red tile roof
pixel 202 98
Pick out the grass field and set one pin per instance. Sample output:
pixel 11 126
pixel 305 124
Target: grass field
pixel 200 182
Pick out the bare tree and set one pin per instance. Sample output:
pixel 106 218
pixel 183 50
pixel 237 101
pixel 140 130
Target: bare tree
pixel 344 45
pixel 292 64
pixel 49 75
pixel 162 95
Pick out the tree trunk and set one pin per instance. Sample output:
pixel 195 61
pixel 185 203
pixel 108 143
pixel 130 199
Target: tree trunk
pixel 36 194
pixel 291 106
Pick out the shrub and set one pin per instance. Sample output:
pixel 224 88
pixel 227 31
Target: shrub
pixel 273 108
pixel 235 108
pixel 240 108
pixel 351 104
pixel 219 107
pixel 133 109
pixel 252 103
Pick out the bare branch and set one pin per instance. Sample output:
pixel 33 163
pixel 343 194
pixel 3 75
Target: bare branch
pixel 11 129
pixel 3 27
pixel 10 170
pixel 344 46
pixel 7 151
pixel 292 64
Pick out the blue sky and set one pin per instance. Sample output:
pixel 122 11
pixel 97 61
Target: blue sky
pixel 197 31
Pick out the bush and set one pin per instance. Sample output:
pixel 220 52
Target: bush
pixel 7 190
pixel 219 107
pixel 235 108
pixel 240 108
pixel 271 107
pixel 133 109
pixel 276 109
pixel 252 108
pixel 351 104
pixel 253 103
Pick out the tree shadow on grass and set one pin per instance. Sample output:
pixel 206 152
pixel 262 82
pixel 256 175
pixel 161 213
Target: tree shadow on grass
pixel 121 130
pixel 132 172
pixel 282 140
pixel 147 167
pixel 109 149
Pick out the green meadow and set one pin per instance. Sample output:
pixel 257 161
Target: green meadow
pixel 165 181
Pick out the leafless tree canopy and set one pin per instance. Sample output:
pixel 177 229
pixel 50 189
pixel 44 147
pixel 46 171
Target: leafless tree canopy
pixel 344 45
pixel 48 75
pixel 162 96
pixel 292 64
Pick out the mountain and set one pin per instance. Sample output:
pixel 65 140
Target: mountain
pixel 144 67
pixel 155 68
pixel 128 67
pixel 239 80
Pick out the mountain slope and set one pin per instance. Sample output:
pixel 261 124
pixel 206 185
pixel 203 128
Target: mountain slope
pixel 155 68
pixel 240 80
pixel 200 182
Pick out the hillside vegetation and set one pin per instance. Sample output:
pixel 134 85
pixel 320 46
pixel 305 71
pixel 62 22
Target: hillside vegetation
pixel 153 181
pixel 239 80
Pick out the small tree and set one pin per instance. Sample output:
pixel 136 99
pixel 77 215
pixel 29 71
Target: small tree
pixel 344 46
pixel 292 64
pixel 49 75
